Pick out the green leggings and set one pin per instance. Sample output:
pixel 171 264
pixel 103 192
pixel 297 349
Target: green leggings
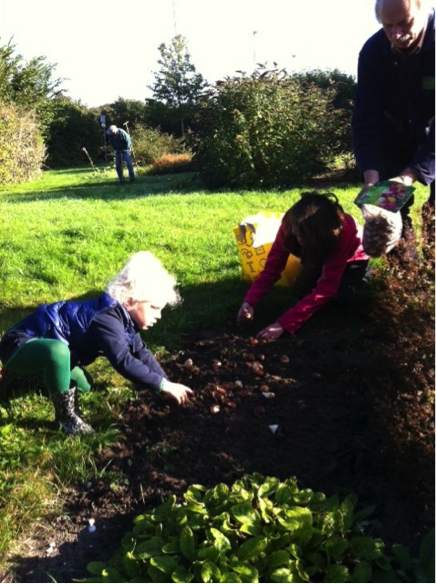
pixel 53 358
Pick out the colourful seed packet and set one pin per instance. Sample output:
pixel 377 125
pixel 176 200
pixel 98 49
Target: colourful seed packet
pixel 387 194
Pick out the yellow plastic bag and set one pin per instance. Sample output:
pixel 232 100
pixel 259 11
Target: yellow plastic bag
pixel 254 238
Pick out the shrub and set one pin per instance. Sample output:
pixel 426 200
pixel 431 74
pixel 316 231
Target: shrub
pixel 21 145
pixel 344 89
pixel 258 530
pixel 149 144
pixel 267 130
pixel 171 164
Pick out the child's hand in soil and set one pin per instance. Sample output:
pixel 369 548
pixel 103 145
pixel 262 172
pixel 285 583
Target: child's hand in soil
pixel 271 332
pixel 176 391
pixel 246 313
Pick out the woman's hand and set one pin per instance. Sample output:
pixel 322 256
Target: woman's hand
pixel 271 332
pixel 177 391
pixel 246 313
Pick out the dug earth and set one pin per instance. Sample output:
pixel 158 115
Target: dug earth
pixel 345 406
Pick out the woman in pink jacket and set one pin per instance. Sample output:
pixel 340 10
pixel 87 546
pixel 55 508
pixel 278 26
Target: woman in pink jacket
pixel 328 242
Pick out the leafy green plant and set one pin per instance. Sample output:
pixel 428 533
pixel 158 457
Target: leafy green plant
pixel 160 453
pixel 259 529
pixel 268 129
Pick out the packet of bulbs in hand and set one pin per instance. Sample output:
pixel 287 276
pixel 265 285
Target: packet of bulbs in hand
pixel 383 224
pixel 387 195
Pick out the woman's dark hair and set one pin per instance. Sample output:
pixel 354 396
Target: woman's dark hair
pixel 316 219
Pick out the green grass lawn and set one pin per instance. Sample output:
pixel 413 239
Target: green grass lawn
pixel 63 237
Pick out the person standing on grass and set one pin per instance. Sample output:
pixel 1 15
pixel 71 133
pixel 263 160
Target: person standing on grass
pixel 393 118
pixel 121 143
pixel 328 241
pixel 59 339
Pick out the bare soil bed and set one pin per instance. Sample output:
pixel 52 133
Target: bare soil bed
pixel 352 399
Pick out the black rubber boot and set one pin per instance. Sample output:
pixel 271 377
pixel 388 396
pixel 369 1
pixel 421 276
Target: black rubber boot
pixel 67 413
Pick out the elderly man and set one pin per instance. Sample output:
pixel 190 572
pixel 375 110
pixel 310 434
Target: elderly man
pixel 393 119
pixel 121 143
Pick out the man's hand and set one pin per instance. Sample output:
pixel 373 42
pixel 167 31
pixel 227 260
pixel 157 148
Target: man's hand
pixel 371 177
pixel 407 177
pixel 271 332
pixel 246 313
pixel 177 391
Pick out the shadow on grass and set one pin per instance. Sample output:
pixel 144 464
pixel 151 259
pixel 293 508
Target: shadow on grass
pixel 98 185
pixel 109 189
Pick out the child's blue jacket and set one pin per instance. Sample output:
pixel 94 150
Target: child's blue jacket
pixel 93 328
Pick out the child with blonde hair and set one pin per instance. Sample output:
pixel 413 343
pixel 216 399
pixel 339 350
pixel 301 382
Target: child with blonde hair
pixel 59 339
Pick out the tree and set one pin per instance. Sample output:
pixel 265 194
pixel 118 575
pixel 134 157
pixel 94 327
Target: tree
pixel 125 110
pixel 29 84
pixel 8 66
pixel 177 83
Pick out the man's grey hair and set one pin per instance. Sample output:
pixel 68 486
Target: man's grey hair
pixel 420 4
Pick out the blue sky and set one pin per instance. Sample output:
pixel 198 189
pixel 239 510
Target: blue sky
pixel 109 49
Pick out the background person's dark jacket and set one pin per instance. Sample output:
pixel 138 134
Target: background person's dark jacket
pixel 395 107
pixel 97 327
pixel 120 141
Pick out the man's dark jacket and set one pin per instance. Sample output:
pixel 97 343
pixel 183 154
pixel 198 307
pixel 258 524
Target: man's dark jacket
pixel 393 119
pixel 120 141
